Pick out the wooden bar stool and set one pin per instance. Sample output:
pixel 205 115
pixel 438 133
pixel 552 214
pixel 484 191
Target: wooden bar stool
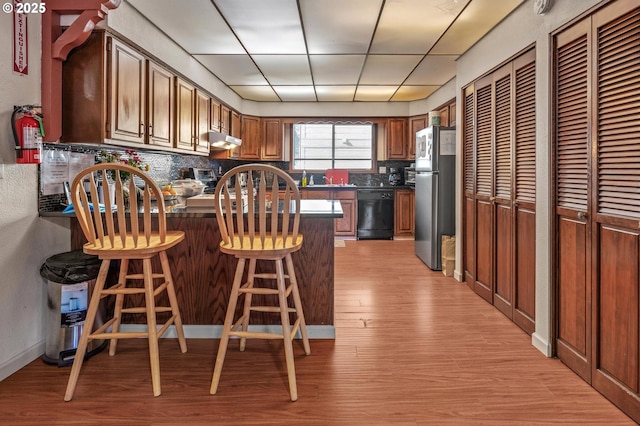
pixel 117 235
pixel 259 235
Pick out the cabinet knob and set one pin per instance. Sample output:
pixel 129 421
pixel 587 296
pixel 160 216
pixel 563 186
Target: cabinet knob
pixel 582 215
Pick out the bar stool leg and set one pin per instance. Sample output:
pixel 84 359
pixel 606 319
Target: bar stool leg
pixel 246 312
pixel 117 311
pixel 87 329
pixel 228 322
pixel 173 300
pixel 152 330
pixel 286 329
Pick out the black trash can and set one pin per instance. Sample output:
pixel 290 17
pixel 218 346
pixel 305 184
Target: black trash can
pixel 71 277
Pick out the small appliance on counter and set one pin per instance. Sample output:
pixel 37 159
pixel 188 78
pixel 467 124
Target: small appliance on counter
pixel 410 175
pixel 395 176
pixel 206 176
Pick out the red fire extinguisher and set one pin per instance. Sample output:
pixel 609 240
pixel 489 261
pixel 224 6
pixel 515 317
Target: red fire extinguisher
pixel 28 131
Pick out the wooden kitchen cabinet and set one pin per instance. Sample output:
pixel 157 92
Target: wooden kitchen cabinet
pixel 185 115
pixel 271 139
pixel 251 137
pixel 160 101
pixel 202 124
pixel 397 146
pixel 101 106
pixel 404 212
pixel 214 121
pixel 415 124
pixel 345 226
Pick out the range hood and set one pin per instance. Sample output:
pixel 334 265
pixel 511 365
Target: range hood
pixel 219 140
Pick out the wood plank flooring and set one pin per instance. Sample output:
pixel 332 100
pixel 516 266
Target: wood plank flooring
pixel 413 347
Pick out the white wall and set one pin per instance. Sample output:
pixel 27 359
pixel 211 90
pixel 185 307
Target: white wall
pixel 25 239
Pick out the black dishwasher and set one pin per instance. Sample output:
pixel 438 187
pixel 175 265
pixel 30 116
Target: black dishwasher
pixel 375 214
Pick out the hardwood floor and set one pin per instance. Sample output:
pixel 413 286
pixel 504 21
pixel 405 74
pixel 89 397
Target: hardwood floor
pixel 412 347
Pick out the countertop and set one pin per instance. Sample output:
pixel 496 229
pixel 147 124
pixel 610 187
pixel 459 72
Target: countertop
pixel 320 209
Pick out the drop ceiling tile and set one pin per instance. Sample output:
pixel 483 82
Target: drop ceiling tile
pixel 388 69
pixel 284 69
pixel 339 26
pixel 256 93
pixel 265 26
pixel 413 26
pixel 434 69
pixel 207 32
pixel 336 69
pixel 296 93
pixel 233 69
pixel 476 21
pixel 375 93
pixel 335 93
pixel 413 93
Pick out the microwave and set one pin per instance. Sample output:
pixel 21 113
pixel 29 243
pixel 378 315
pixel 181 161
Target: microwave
pixel 409 175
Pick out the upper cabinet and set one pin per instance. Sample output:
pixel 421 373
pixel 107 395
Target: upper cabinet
pixel 397 146
pixel 271 139
pixel 261 138
pixel 160 101
pixel 185 117
pixel 112 93
pixel 202 121
pixel 415 123
pixel 251 138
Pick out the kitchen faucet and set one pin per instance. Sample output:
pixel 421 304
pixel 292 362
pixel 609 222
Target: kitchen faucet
pixel 329 179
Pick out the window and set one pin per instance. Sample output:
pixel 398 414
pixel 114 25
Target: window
pixel 332 146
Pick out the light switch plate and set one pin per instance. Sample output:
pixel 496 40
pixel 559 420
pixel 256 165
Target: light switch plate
pixel 382 169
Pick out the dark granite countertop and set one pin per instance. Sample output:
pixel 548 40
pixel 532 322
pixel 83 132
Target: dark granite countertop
pixel 320 209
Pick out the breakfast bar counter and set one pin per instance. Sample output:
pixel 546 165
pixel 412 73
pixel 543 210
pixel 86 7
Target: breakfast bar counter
pixel 203 275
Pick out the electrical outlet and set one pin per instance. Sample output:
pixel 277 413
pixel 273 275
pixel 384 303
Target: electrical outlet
pixel 382 169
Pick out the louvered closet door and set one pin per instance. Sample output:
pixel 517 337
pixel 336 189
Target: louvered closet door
pixel 573 337
pixel 484 189
pixel 524 204
pixel 616 226
pixel 501 201
pixel 469 189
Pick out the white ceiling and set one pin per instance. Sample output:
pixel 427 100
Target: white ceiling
pixel 327 50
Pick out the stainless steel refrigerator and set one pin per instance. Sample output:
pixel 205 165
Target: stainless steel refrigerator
pixel 435 192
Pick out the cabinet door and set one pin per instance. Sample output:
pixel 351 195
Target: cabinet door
pixel 160 106
pixel 214 121
pixel 444 116
pixel 452 115
pixel 415 124
pixel 236 131
pixel 185 132
pixel 346 225
pixel 251 131
pixel 397 146
pixel 127 103
pixel 404 214
pixel 225 119
pixel 272 139
pixel 202 125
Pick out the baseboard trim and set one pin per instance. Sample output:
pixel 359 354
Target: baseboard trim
pixel 20 360
pixel 215 331
pixel 457 276
pixel 541 344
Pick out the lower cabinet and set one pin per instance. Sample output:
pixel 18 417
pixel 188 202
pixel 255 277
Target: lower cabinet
pixel 345 226
pixel 404 213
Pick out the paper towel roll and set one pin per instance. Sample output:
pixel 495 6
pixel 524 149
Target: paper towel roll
pixel 434 118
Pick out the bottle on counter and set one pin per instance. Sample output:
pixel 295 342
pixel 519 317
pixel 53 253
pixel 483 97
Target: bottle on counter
pixel 304 178
pixel 311 181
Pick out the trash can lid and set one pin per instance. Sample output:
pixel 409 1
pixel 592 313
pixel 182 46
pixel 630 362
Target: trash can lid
pixel 71 267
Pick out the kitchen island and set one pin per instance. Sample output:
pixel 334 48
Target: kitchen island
pixel 203 275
